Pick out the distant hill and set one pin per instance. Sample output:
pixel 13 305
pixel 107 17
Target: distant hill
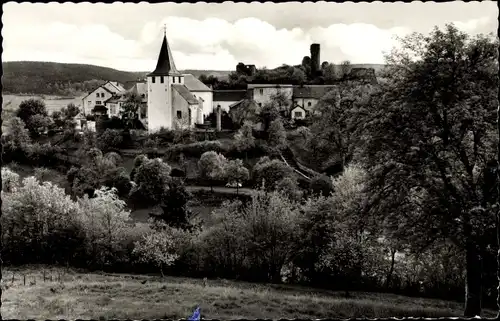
pixel 52 78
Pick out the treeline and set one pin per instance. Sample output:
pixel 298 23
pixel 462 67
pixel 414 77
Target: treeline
pixel 296 75
pixel 51 78
pixel 34 77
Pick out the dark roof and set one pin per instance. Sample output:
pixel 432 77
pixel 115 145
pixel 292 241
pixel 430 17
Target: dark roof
pixel 249 103
pixel 194 84
pixel 229 95
pixel 165 65
pixel 311 91
pixel 185 93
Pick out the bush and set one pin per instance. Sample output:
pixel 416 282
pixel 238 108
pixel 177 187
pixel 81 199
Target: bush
pixel 195 149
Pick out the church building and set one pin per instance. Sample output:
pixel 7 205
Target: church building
pixel 171 104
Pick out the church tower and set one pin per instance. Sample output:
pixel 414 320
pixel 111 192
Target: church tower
pixel 160 81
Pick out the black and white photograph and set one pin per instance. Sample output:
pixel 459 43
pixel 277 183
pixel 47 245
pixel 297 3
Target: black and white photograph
pixel 231 160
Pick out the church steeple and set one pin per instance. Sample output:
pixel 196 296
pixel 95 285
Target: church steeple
pixel 165 65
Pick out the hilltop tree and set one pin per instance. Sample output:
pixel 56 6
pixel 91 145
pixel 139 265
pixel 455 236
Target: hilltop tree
pixel 431 144
pixel 345 69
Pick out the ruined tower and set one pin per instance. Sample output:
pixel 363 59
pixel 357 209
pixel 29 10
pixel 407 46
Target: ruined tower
pixel 315 59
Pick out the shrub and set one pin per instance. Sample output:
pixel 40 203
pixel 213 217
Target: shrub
pixel 321 185
pixel 111 138
pixel 152 177
pixel 195 149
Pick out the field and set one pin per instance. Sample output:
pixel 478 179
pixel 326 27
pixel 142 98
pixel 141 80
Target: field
pixel 53 103
pixel 118 296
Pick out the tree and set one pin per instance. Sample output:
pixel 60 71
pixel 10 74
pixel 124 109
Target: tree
pixel 212 165
pixel 70 111
pixel 236 172
pixel 321 185
pixel 104 219
pixel 152 178
pixel 31 107
pixel 111 138
pixel 271 172
pixel 244 139
pixel 431 141
pixel 17 137
pixel 277 135
pixel 337 121
pixel 175 212
pixel 157 247
pixel 345 68
pixel 129 110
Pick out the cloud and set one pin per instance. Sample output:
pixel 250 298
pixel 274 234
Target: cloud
pixel 212 43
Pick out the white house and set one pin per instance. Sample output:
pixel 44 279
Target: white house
pixel 100 95
pixel 200 90
pixel 298 112
pixel 262 94
pixel 307 96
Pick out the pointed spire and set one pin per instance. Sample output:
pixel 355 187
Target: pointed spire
pixel 165 65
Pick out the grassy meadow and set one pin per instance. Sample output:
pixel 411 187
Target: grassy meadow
pixel 75 294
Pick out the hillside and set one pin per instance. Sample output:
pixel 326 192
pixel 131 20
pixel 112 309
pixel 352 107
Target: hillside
pixel 51 78
pixel 81 295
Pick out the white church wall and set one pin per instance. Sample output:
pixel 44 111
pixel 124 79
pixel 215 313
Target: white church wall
pixel 159 104
pixel 207 97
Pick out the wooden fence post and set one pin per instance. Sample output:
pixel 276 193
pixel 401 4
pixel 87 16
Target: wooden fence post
pixel 43 275
pixel 24 279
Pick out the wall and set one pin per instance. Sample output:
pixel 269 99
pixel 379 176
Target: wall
pixel 224 105
pixel 297 109
pixel 180 104
pixel 159 104
pixel 267 92
pixel 89 102
pixel 207 97
pixel 116 106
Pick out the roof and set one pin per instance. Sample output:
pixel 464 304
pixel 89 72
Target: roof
pixel 312 91
pixel 165 65
pixel 295 106
pixel 185 93
pixel 100 87
pixel 140 88
pixel 116 99
pixel 248 102
pixel 268 86
pixel 229 95
pixel 194 84
pixel 118 86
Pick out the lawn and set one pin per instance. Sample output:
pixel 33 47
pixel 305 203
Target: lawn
pixel 117 296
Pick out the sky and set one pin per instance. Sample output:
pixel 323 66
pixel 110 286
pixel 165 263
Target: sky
pixel 216 36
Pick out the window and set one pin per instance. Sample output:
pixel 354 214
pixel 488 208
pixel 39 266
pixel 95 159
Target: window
pixel 143 95
pixel 179 114
pixel 261 91
pixel 102 95
pixel 179 80
pixel 97 95
pixel 260 104
pixel 173 80
pixel 161 79
pixel 89 102
pixel 309 104
pixel 298 114
pixel 112 109
pixel 98 102
pixel 153 79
